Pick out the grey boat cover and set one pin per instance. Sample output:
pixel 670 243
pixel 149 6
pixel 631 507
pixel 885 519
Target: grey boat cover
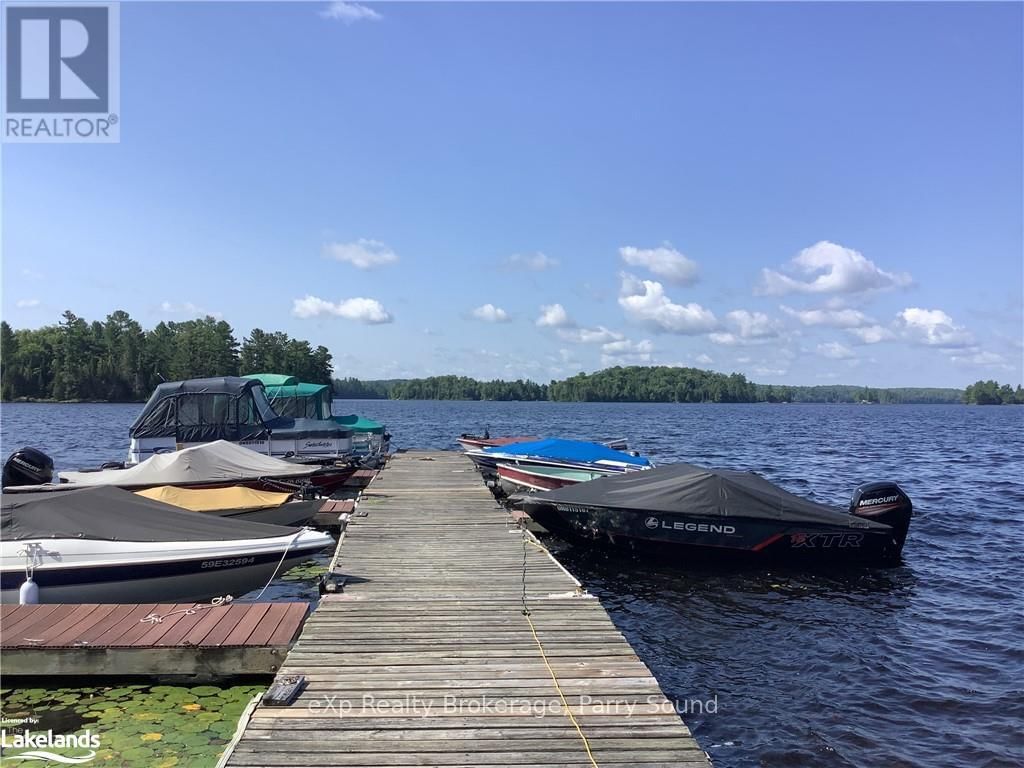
pixel 692 490
pixel 114 514
pixel 215 462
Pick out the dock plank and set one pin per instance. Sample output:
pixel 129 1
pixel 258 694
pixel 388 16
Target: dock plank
pixel 430 626
pixel 188 641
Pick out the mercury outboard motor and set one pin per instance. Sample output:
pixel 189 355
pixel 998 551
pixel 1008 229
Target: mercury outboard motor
pixel 27 466
pixel 884 502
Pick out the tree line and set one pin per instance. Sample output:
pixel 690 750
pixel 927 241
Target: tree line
pixel 116 360
pixel 992 393
pixel 652 384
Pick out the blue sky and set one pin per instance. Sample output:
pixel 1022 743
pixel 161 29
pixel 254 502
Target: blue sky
pixel 804 193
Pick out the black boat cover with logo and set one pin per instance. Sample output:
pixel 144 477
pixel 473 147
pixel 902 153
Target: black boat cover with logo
pixel 692 490
pixel 114 514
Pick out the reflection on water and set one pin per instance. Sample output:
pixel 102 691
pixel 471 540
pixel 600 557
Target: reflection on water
pixel 913 666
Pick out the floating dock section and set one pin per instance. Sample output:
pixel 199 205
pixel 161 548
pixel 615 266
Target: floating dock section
pixel 189 641
pixel 427 658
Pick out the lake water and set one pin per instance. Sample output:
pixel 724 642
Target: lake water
pixel 921 665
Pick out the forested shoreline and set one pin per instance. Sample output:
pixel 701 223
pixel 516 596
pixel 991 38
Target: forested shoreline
pixel 639 384
pixel 116 360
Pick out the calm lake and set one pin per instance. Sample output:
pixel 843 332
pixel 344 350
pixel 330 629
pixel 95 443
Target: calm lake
pixel 921 665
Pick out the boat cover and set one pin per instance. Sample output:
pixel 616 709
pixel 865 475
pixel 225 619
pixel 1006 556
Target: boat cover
pixel 294 399
pixel 569 450
pixel 113 514
pixel 692 490
pixel 360 424
pixel 215 499
pixel 273 379
pixel 215 462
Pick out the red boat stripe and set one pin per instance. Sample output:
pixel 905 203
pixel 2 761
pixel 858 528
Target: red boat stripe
pixel 770 540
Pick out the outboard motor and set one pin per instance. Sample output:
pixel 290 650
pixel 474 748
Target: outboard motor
pixel 27 466
pixel 884 502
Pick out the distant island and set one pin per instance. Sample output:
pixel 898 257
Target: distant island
pixel 117 361
pixel 660 384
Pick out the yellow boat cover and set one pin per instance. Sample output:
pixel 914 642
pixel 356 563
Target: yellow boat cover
pixel 212 499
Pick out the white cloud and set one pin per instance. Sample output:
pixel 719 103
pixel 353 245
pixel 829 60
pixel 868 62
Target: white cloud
pixel 832 318
pixel 26 303
pixel 187 309
pixel 533 262
pixel 598 335
pixel 830 268
pixel 933 328
pixel 362 254
pixel 491 314
pixel 626 352
pixel 747 328
pixel 665 262
pixel 645 301
pixel 704 359
pixel 765 371
pixel 368 311
pixel 835 351
pixel 752 325
pixel 872 334
pixel 349 13
pixel 983 359
pixel 31 274
pixel 554 316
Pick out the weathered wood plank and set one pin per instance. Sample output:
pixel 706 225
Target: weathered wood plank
pixel 430 626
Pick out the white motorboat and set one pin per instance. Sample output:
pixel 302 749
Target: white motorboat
pixel 107 545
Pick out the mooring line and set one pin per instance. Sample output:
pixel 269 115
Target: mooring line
pixel 544 658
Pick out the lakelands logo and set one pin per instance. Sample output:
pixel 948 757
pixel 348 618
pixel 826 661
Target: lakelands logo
pixel 39 744
pixel 62 65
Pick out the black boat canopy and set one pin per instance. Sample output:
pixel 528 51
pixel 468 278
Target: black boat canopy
pixel 223 408
pixel 691 490
pixel 114 514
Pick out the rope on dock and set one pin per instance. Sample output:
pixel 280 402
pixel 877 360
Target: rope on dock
pixel 544 658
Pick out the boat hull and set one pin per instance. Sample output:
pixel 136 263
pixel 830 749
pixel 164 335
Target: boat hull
pixel 140 577
pixel 685 536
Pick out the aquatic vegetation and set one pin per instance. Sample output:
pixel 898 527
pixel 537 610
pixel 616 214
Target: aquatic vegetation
pixel 309 570
pixel 162 726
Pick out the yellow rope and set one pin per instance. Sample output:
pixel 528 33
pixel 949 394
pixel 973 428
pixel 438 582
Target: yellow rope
pixel 561 695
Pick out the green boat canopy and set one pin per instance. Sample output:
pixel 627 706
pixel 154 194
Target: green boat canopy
pixel 301 400
pixel 290 397
pixel 273 379
pixel 360 424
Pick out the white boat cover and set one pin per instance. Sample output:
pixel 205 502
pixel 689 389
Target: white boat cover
pixel 215 462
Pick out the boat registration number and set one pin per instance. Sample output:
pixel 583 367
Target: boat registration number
pixel 231 562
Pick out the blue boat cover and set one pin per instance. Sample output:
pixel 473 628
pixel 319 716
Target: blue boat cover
pixel 569 450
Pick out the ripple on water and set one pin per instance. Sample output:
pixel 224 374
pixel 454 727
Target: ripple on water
pixel 915 667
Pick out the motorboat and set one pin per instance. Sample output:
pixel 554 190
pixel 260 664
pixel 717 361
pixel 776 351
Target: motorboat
pixel 108 545
pixel 210 465
pixel 292 398
pixel 515 478
pixel 689 509
pixel 476 442
pixel 552 452
pixel 182 414
pixel 239 503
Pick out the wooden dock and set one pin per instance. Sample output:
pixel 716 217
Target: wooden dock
pixel 427 658
pixel 157 640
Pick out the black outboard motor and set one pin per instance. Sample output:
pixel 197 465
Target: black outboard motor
pixel 27 466
pixel 884 502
